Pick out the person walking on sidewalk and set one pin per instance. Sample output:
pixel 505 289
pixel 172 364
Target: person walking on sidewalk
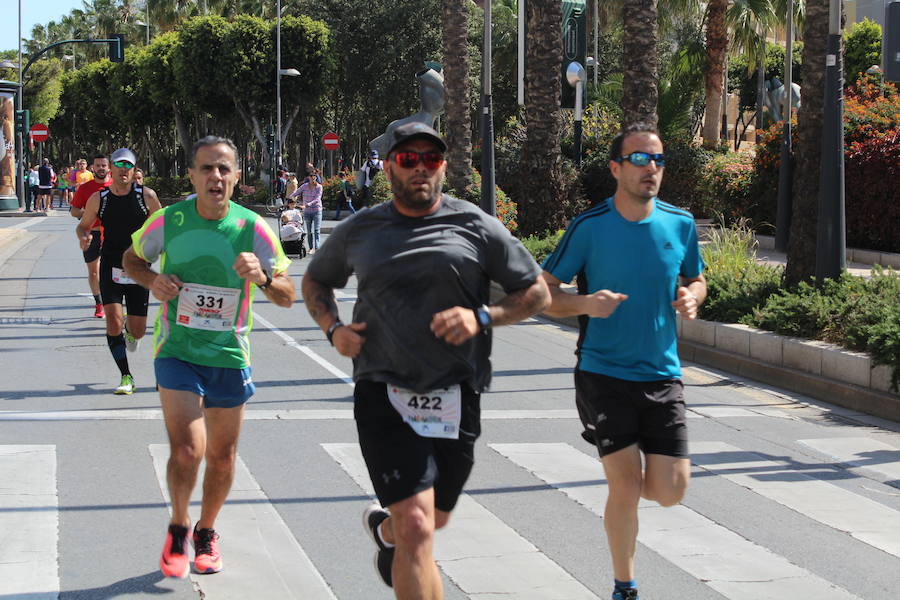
pixel 638 264
pixel 45 186
pixel 215 254
pixel 310 193
pixel 345 194
pixel 100 170
pixel 420 341
pixel 121 209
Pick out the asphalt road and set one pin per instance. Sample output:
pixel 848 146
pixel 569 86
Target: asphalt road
pixel 790 498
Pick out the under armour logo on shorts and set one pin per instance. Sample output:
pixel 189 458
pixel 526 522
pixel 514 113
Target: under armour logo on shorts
pixel 395 475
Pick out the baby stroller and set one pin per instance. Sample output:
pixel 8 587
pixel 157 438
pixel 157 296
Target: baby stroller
pixel 296 245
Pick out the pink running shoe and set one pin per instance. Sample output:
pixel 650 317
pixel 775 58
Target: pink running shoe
pixel 206 551
pixel 174 560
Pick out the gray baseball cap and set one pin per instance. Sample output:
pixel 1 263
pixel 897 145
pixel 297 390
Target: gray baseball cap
pixel 123 154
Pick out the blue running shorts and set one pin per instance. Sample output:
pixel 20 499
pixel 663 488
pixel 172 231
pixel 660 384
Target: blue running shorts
pixel 219 387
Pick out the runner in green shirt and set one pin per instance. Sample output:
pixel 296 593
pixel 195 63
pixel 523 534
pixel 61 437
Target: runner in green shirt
pixel 213 254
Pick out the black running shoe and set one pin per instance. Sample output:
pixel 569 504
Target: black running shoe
pixel 373 516
pixel 625 594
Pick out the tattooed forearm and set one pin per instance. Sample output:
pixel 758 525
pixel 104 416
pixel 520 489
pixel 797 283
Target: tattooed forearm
pixel 320 302
pixel 521 304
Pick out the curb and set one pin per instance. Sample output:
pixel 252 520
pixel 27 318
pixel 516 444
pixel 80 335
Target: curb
pixel 855 397
pixel 857 255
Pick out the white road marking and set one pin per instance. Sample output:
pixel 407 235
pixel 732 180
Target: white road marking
pixel 864 519
pixel 304 349
pixel 261 557
pixel 865 453
pixel 305 414
pixel 730 564
pixel 479 552
pixel 29 222
pixel 29 523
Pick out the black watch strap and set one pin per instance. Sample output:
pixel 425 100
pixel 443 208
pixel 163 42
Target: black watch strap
pixel 267 283
pixel 483 317
pixel 330 333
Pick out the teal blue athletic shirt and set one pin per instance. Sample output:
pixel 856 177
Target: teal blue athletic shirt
pixel 642 259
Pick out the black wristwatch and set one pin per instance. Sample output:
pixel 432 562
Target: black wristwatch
pixel 330 333
pixel 268 281
pixel 483 316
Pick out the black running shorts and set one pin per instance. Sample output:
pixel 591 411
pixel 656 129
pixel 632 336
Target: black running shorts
pixel 93 251
pixel 401 463
pixel 136 298
pixel 617 413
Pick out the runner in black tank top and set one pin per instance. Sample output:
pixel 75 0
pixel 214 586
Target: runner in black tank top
pixel 122 208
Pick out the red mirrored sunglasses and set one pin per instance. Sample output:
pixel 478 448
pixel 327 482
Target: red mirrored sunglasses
pixel 409 160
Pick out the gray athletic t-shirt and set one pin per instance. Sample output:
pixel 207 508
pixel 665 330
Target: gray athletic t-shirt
pixel 408 269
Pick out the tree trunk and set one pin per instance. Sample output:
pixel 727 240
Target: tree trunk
pixel 716 47
pixel 184 136
pixel 801 257
pixel 539 205
pixel 639 86
pixel 458 121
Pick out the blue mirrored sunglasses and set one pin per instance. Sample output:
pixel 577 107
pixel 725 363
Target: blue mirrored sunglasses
pixel 642 159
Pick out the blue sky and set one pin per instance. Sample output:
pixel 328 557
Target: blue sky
pixel 33 12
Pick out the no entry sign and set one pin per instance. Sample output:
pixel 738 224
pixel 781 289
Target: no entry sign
pixel 330 141
pixel 40 133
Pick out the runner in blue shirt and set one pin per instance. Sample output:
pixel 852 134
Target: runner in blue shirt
pixel 637 263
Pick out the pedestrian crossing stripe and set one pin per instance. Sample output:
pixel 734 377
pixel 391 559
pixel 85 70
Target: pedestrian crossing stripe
pixel 865 453
pixel 29 522
pixel 480 553
pixel 864 519
pixel 735 567
pixel 264 549
pixel 313 414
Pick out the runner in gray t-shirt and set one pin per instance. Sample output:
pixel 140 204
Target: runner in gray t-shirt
pixel 421 341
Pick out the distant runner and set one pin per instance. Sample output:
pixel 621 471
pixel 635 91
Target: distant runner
pixel 121 209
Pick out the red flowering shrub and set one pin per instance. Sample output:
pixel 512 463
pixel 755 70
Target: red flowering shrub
pixel 872 200
pixel 871 168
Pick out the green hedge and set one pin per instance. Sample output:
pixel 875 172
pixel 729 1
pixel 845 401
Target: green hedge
pixel 169 187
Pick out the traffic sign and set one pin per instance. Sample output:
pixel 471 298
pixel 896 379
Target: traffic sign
pixel 330 141
pixel 40 133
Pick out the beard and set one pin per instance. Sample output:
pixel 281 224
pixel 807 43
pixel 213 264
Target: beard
pixel 415 199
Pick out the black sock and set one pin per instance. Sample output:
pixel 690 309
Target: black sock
pixel 97 298
pixel 116 345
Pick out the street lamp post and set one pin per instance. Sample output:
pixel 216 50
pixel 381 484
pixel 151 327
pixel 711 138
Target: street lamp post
pixel 278 82
pixel 488 198
pixel 831 242
pixel 279 135
pixel 784 205
pixel 20 136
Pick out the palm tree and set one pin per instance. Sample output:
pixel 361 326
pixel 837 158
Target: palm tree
pixel 716 48
pixel 639 85
pixel 539 209
pixel 801 257
pixel 454 19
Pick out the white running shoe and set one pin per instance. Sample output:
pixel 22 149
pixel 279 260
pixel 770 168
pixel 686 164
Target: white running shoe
pixel 126 386
pixel 131 342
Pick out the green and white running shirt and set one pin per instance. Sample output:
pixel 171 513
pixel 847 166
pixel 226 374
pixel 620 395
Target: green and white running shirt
pixel 209 322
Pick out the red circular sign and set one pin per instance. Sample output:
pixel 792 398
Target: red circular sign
pixel 40 133
pixel 331 141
